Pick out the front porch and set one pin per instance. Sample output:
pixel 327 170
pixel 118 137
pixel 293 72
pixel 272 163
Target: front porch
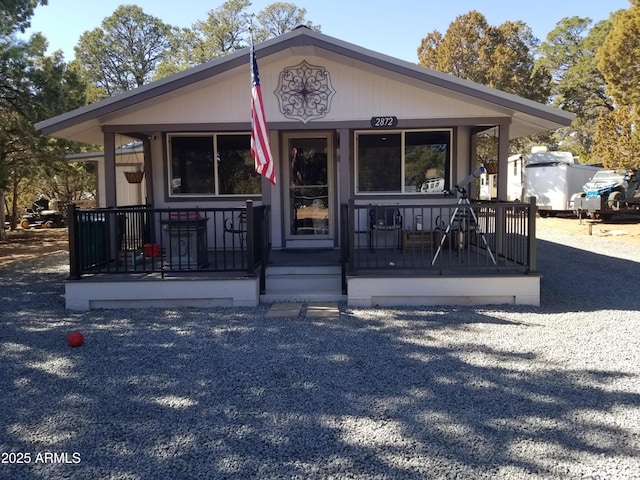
pixel 454 253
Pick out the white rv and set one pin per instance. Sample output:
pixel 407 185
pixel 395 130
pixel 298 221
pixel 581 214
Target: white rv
pixel 553 178
pixel 489 181
pixel 488 186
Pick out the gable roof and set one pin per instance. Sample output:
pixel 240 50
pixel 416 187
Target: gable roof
pixel 85 124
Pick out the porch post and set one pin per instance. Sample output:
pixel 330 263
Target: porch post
pixel 110 169
pixel 110 190
pixel 503 170
pixel 473 155
pixel 345 172
pixel 352 235
pixel 250 237
pixel 503 160
pixel 531 239
pixel 148 172
pixel 74 268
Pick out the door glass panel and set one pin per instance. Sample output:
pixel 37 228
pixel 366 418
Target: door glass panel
pixel 308 187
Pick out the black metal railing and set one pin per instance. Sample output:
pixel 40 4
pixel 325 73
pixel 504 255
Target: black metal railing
pixel 446 239
pixel 139 239
pixel 436 239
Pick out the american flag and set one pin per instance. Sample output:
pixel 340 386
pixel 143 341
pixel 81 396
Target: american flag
pixel 260 148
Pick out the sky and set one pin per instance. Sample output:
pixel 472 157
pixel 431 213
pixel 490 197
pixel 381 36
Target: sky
pixel 391 27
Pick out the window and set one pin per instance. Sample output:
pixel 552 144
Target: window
pixel 405 162
pixel 193 170
pixel 379 162
pixel 236 167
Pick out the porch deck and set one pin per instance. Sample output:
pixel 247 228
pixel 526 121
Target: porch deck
pixel 449 284
pixel 493 263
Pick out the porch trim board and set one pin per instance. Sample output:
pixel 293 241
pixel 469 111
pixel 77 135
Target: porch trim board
pixel 474 290
pixel 162 293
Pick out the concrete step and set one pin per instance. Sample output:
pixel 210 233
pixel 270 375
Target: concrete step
pixel 296 283
pixel 289 297
pixel 303 269
pixel 303 283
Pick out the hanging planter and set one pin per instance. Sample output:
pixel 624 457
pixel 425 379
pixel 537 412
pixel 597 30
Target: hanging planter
pixel 134 177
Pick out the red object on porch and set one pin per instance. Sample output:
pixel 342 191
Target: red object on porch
pixel 151 249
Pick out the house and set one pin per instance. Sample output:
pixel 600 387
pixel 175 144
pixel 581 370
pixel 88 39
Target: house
pixel 374 159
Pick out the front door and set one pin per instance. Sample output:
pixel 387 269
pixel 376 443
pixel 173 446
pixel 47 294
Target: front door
pixel 309 217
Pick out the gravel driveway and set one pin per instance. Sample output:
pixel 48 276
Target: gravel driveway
pixel 499 392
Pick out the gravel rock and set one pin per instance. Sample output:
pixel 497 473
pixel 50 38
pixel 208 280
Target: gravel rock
pixel 494 392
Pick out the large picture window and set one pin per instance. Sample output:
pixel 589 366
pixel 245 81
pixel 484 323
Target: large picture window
pixel 403 162
pixel 212 164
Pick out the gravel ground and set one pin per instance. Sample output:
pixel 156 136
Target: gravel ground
pixel 499 392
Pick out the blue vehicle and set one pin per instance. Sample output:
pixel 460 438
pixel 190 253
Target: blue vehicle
pixel 609 191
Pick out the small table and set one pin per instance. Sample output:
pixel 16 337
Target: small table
pixel 421 240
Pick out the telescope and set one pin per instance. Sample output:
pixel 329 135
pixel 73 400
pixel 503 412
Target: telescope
pixel 459 220
pixel 467 180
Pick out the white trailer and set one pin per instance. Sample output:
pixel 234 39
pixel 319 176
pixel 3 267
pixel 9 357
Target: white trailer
pixel 489 181
pixel 553 178
pixel 488 186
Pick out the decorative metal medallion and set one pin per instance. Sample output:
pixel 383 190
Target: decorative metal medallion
pixel 305 92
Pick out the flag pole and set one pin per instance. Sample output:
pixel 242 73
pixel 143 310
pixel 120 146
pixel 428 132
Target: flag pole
pixel 260 146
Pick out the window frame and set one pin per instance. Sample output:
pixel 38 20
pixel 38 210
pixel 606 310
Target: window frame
pixel 403 191
pixel 215 173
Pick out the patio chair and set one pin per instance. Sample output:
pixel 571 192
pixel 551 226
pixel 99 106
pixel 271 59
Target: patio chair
pixel 384 219
pixel 239 227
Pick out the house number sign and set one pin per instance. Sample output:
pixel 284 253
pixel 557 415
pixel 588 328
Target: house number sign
pixel 382 122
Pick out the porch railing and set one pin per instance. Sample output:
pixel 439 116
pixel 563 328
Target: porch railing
pixel 390 238
pixel 442 239
pixel 142 240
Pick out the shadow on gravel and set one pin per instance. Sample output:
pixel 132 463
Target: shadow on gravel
pixel 230 394
pixel 582 281
pixel 23 292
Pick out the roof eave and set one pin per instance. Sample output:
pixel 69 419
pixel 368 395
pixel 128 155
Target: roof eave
pixel 302 37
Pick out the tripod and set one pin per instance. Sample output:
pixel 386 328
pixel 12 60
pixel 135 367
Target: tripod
pixel 462 225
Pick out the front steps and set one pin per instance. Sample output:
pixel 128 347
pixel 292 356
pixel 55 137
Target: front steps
pixel 307 283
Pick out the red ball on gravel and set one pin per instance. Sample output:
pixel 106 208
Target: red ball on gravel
pixel 75 339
